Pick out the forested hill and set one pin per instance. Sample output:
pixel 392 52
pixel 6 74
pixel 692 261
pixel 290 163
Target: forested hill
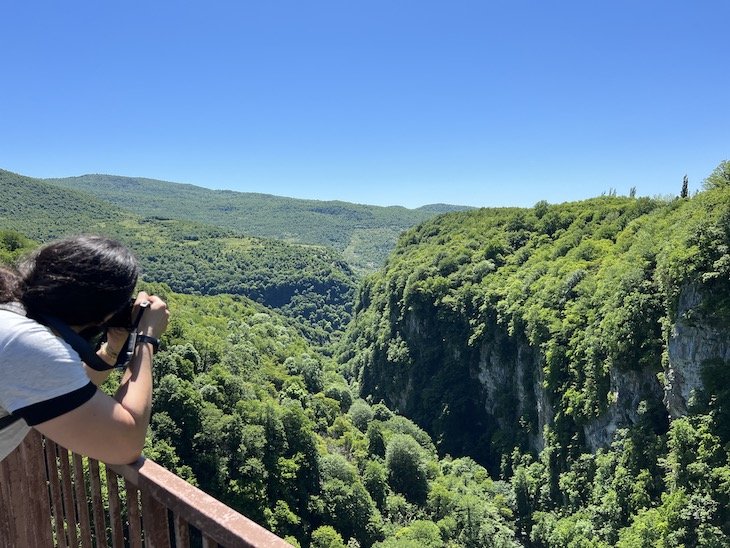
pixel 44 212
pixel 312 284
pixel 364 234
pixel 257 416
pixel 580 350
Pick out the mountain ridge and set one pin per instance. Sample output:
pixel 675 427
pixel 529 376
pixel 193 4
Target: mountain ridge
pixel 440 207
pixel 364 233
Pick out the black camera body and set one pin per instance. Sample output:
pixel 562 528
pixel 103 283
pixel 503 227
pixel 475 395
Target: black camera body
pixel 122 318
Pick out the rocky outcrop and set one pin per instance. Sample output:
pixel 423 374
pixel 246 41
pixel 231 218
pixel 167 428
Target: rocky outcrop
pixel 510 370
pixel 631 394
pixel 511 378
pixel 692 342
pixel 514 372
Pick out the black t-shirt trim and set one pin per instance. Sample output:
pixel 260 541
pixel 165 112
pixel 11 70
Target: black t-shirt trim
pixel 8 420
pixel 55 407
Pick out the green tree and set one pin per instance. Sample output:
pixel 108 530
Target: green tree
pixel 13 245
pixel 422 533
pixel 348 508
pixel 405 462
pixel 361 414
pixel 283 521
pixel 375 478
pixel 720 176
pixel 376 439
pixel 327 537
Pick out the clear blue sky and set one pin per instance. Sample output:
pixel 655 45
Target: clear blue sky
pixel 481 103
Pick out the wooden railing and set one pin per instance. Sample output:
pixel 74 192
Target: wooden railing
pixel 50 497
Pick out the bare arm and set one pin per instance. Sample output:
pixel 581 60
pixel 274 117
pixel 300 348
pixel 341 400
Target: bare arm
pixel 113 429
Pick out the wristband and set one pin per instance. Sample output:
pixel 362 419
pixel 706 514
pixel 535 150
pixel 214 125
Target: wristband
pixel 147 339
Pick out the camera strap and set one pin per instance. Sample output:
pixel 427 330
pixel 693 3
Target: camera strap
pixel 77 342
pixel 86 352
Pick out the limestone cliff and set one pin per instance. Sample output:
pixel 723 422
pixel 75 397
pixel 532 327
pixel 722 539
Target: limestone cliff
pixel 509 368
pixel 693 341
pixel 492 327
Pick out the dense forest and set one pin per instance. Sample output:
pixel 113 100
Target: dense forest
pixel 580 351
pixel 247 409
pixel 305 282
pixel 552 376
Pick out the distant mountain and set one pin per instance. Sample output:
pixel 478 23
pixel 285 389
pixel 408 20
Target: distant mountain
pixel 438 209
pixel 364 234
pixel 306 282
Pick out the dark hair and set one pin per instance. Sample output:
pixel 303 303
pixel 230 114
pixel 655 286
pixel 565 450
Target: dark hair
pixel 9 285
pixel 80 280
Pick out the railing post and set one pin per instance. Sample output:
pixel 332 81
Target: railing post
pixel 6 503
pixel 40 510
pixel 97 504
pixel 115 509
pixel 25 515
pixel 135 526
pixel 82 502
pixel 18 499
pixel 182 532
pixel 69 507
pixel 55 485
pixel 154 522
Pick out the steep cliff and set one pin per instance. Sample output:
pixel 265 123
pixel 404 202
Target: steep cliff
pixel 493 328
pixel 693 344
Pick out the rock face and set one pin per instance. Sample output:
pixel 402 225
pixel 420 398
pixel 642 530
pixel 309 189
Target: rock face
pixel 631 393
pixel 511 378
pixel 509 370
pixel 692 342
pixel 502 390
pixel 514 372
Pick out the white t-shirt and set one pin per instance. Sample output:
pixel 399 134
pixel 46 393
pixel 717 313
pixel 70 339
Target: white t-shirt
pixel 41 377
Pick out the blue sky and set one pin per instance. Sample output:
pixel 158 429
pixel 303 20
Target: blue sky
pixel 484 103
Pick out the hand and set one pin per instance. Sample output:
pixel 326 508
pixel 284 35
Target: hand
pixel 155 319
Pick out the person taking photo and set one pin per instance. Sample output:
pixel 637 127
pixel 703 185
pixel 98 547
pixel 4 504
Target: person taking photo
pixel 56 295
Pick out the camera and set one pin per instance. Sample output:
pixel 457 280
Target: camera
pixel 123 318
